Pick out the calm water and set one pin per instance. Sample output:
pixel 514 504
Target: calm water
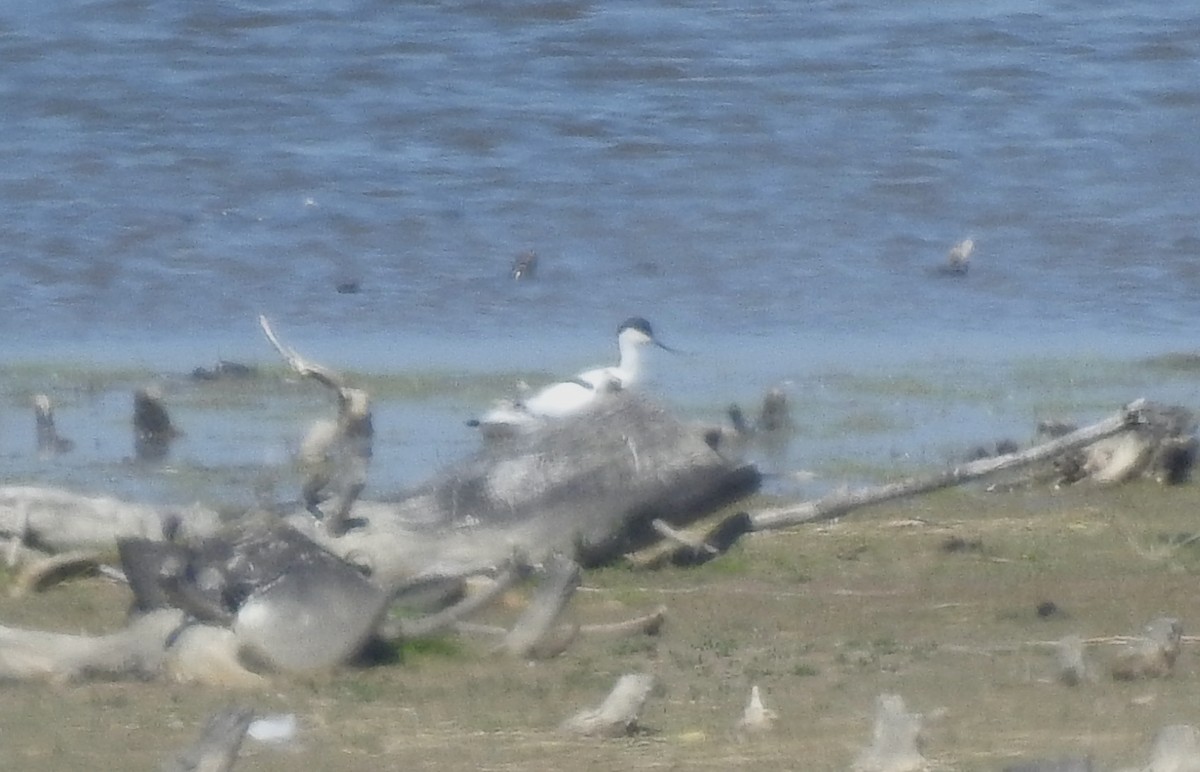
pixel 771 183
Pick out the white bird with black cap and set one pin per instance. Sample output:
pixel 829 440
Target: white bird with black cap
pixel 565 398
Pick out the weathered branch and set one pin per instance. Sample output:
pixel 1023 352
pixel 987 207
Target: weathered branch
pixel 617 716
pixel 1072 668
pixel 694 545
pixel 682 539
pixel 41 574
pixel 531 636
pixel 302 366
pixel 138 651
pixel 1151 655
pixel 756 718
pixel 49 442
pixel 432 624
pixel 1176 748
pixel 647 624
pixel 587 486
pixel 217 748
pixel 839 504
pixel 56 520
pixel 894 739
pixel 334 454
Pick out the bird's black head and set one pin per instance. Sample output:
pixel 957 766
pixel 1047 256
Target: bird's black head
pixel 636 323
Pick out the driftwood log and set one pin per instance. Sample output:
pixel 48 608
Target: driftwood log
pixel 895 739
pixel 292 595
pixel 1176 749
pixel 1152 654
pixel 590 487
pixel 290 604
pixel 618 715
pixel 336 454
pixel 138 651
pixel 757 718
pixel 217 748
pixel 1144 425
pixel 54 520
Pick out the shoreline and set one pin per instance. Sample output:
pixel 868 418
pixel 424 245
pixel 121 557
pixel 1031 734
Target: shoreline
pixel 853 426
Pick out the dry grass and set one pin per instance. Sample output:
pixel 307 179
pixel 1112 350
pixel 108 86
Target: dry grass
pixel 935 600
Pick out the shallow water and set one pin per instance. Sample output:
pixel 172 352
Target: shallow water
pixel 772 184
pixel 852 426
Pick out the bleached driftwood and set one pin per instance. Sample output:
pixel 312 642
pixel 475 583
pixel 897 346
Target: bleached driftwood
pixel 49 442
pixel 1176 749
pixel 588 486
pixel 1072 669
pixel 434 623
pixel 1151 655
pixel 58 521
pixel 646 624
pixel 335 455
pixel 618 715
pixel 291 605
pixel 216 749
pixel 138 651
pixel 40 574
pixel 162 643
pixel 210 655
pixel 756 718
pixel 1067 764
pixel 697 544
pixel 1132 416
pixel 895 739
pixel 532 636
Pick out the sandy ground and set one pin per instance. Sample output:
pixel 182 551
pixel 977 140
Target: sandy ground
pixel 936 600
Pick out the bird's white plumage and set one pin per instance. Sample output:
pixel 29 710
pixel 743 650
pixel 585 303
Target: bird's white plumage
pixel 565 398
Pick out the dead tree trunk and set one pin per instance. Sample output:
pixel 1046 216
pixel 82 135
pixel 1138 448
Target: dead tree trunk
pixel 335 454
pixel 217 748
pixel 618 715
pixel 589 487
pixel 531 637
pixel 1134 415
pixel 58 521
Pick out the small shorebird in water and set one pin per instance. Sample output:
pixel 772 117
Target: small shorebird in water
pixel 153 431
pixel 525 266
pixel 958 259
pixel 564 398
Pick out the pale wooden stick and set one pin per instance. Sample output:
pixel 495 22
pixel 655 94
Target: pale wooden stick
pixel 532 635
pixel 839 504
pixel 894 739
pixel 41 574
pixel 1152 655
pixel 617 716
pixel 756 718
pixel 217 748
pixel 432 624
pixel 333 452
